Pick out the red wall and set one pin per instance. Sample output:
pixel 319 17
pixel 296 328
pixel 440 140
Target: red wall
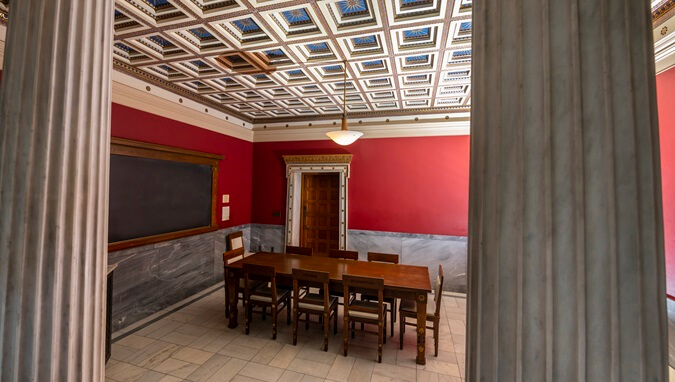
pixel 665 87
pixel 415 185
pixel 235 171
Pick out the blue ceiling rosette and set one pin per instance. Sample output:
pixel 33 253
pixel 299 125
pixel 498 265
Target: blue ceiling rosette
pixel 417 59
pixel 364 41
pixel 333 68
pixel 199 63
pixel 201 33
pixel 369 64
pixel 417 33
pixel 319 47
pixel 158 4
pixel 295 72
pixel 458 54
pixel 296 16
pixel 275 53
pixel 123 47
pixel 349 8
pixel 246 25
pixel 161 41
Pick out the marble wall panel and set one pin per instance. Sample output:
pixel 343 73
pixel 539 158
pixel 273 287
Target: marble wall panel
pixel 267 237
pixel 370 241
pixel 153 277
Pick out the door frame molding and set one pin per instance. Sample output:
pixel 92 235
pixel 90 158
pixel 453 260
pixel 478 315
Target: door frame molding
pixel 296 165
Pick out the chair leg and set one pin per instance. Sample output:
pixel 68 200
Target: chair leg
pixel 306 321
pixel 288 311
pixel 264 313
pixel 249 307
pixel 227 301
pixel 353 328
pixel 326 329
pixel 436 327
pixel 380 340
pixel 384 322
pixel 274 322
pixel 393 317
pixel 401 331
pixel 345 336
pixel 295 325
pixel 335 321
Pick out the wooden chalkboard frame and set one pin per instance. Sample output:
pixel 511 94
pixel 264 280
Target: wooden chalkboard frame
pixel 126 147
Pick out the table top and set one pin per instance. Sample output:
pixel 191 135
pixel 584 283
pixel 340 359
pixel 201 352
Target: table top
pixel 399 276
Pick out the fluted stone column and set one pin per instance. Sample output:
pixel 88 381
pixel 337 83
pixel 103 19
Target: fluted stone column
pixel 566 263
pixel 54 154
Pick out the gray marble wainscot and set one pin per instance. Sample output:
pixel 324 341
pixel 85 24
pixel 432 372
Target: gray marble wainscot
pixel 153 277
pixel 267 237
pixel 418 249
pixel 671 332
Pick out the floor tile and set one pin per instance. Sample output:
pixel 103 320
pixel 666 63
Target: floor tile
pixel 176 367
pixel 196 356
pixel 135 341
pixel 123 372
pixel 227 371
pixel 206 371
pixel 238 351
pixel 291 376
pixel 361 371
pixel 341 368
pixel 261 372
pixel 285 356
pixel 312 368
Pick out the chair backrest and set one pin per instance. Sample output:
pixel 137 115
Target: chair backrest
pixel 260 272
pixel 354 284
pixel 346 255
pixel 307 278
pixel 382 257
pixel 235 240
pixel 438 289
pixel 232 256
pixel 304 251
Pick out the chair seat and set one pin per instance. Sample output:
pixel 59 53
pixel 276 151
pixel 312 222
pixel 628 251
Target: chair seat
pixel 410 307
pixel 314 301
pixel 364 304
pixel 263 293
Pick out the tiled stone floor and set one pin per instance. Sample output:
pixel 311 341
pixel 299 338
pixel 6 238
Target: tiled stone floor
pixel 194 344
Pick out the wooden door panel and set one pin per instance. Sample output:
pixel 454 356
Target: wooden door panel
pixel 320 220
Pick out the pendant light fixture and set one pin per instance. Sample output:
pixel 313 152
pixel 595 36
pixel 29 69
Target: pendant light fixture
pixel 343 136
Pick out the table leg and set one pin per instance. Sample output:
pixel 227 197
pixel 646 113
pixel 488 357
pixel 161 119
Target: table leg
pixel 233 295
pixel 421 328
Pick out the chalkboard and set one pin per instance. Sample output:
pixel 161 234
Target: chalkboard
pixel 155 193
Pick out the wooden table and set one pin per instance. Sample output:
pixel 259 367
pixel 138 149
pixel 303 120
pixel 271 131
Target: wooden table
pixel 407 282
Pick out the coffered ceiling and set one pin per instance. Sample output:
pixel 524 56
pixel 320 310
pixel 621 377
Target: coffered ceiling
pixel 270 61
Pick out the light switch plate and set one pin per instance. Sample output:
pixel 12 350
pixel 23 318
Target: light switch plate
pixel 226 198
pixel 226 213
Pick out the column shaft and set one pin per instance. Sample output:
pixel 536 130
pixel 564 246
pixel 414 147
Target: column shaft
pixel 566 259
pixel 54 155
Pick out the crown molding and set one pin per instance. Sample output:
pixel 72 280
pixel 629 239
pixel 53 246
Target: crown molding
pixel 3 33
pixel 125 91
pixel 664 45
pixel 430 127
pixel 318 159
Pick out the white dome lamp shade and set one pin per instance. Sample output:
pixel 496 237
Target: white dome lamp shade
pixel 343 136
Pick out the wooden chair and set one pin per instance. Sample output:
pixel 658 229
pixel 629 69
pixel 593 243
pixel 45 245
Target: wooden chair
pixel 304 251
pixel 409 310
pixel 267 295
pixel 230 257
pixel 365 312
pixel 390 301
pixel 322 305
pixel 235 240
pixel 345 255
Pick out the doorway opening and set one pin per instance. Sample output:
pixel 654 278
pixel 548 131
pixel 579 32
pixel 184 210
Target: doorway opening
pixel 316 204
pixel 320 215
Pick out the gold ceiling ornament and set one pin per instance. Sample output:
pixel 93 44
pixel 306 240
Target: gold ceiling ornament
pixel 343 136
pixel 318 159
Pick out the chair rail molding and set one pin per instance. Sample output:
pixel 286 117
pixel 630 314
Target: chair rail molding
pixel 296 165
